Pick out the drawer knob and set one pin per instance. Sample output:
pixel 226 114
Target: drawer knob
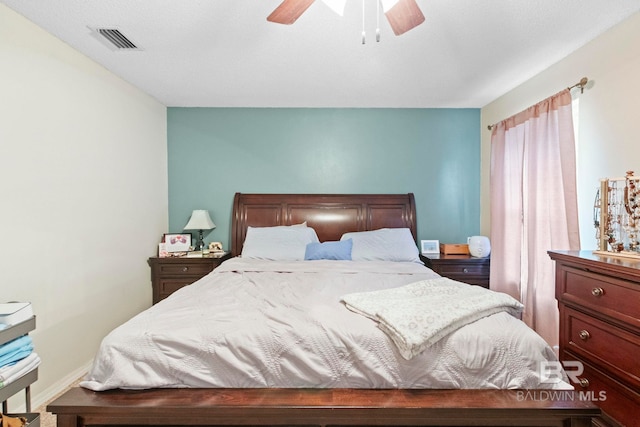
pixel 597 292
pixel 584 383
pixel 465 270
pixel 185 269
pixel 584 335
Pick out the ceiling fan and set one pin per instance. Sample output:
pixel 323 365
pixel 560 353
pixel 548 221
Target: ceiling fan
pixel 403 15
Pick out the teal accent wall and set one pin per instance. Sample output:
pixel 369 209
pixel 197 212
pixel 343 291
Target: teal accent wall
pixel 435 153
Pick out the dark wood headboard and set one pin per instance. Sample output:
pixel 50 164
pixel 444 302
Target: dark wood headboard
pixel 330 215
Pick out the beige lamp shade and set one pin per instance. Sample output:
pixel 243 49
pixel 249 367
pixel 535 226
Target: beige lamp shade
pixel 200 220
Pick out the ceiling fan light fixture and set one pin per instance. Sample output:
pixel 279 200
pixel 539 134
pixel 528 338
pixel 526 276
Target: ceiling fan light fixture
pixel 403 15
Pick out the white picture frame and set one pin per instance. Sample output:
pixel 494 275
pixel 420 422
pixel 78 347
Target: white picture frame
pixel 430 246
pixel 177 242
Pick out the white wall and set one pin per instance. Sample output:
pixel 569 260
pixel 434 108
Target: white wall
pixel 609 123
pixel 83 190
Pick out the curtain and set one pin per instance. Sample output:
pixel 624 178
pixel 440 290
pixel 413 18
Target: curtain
pixel 533 206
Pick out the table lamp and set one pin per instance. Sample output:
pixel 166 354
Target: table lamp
pixel 200 220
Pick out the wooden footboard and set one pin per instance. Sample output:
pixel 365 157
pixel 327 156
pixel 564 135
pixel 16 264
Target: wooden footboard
pixel 321 407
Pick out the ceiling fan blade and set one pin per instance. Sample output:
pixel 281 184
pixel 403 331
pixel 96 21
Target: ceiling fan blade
pixel 289 11
pixel 404 15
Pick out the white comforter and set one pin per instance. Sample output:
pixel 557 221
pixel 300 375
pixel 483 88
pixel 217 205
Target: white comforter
pixel 256 323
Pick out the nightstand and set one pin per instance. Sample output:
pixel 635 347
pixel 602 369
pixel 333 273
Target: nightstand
pixel 463 268
pixel 170 274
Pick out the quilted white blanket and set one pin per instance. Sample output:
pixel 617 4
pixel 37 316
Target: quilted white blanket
pixel 261 324
pixel 417 315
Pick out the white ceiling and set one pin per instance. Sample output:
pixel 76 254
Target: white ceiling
pixel 223 53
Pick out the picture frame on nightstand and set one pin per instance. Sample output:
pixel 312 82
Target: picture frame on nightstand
pixel 176 242
pixel 429 247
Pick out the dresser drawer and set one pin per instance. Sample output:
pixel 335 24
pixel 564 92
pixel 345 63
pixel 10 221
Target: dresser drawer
pixel 463 269
pixel 617 400
pixel 603 343
pixel 473 274
pixel 602 293
pixel 196 270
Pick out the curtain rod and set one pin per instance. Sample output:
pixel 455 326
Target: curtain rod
pixel 581 84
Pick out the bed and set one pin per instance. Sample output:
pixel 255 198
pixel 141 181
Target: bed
pixel 365 378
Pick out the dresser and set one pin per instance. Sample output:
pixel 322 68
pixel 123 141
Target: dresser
pixel 463 268
pixel 170 274
pixel 599 302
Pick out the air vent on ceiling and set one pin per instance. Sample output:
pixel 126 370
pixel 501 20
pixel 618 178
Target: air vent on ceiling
pixel 116 38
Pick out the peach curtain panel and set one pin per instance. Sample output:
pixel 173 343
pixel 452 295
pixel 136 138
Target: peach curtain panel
pixel 533 206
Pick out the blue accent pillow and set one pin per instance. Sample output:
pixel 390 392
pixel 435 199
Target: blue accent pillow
pixel 329 250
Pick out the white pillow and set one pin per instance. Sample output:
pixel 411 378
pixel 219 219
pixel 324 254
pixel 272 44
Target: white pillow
pixel 385 244
pixel 279 243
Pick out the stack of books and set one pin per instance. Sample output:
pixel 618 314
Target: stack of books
pixel 17 357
